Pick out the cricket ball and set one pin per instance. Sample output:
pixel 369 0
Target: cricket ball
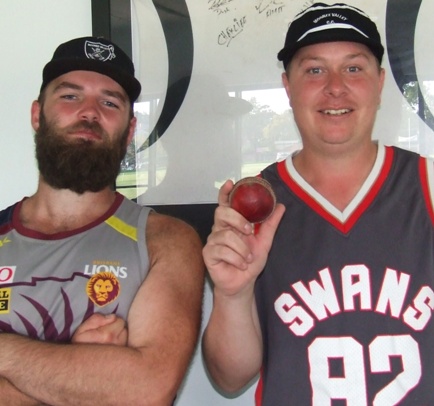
pixel 254 198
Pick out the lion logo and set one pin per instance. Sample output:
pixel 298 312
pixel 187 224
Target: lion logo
pixel 103 288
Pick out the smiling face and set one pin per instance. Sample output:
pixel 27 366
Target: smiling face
pixel 83 124
pixel 334 90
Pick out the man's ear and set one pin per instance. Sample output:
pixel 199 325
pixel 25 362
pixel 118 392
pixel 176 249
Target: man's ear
pixel 381 83
pixel 285 82
pixel 132 129
pixel 35 112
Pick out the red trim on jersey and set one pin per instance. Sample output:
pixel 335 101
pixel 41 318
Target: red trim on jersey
pixel 363 206
pixel 423 171
pixel 5 228
pixel 16 223
pixel 258 391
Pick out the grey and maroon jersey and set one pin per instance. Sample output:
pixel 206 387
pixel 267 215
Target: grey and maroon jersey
pixel 49 284
pixel 346 298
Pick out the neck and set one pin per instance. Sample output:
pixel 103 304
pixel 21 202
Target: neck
pixel 337 177
pixel 52 211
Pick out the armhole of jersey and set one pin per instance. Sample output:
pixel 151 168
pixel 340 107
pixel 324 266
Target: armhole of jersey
pixel 6 215
pixel 258 391
pixel 426 170
pixel 141 232
pixel 6 218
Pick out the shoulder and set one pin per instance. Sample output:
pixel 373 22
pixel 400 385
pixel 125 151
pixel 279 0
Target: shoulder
pixel 403 154
pixel 175 258
pixel 6 214
pixel 165 225
pixel 171 236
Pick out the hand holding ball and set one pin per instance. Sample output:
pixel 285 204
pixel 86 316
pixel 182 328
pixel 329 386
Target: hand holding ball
pixel 254 198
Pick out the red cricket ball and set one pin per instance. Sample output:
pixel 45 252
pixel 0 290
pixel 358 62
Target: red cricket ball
pixel 254 198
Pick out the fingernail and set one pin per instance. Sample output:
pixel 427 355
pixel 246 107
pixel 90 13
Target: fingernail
pixel 248 227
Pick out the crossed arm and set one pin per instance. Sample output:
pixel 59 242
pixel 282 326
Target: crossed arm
pixel 96 329
pixel 163 328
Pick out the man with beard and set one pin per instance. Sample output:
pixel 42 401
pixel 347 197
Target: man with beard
pixel 57 345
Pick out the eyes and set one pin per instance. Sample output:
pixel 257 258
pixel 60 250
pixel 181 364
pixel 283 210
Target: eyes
pixel 317 70
pixel 109 101
pixel 354 69
pixel 111 104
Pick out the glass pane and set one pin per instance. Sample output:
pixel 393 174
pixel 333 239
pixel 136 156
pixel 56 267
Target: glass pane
pixel 213 106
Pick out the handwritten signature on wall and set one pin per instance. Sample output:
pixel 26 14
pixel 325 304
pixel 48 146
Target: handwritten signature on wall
pixel 220 6
pixel 267 8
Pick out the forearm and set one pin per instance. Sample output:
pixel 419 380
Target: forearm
pixel 72 374
pixel 11 396
pixel 232 342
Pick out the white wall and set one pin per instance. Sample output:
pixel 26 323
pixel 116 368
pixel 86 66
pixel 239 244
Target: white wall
pixel 29 32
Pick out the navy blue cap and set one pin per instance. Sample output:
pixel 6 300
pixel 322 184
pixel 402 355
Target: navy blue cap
pixel 328 23
pixel 97 55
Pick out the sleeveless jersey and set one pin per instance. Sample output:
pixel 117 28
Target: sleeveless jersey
pixel 50 284
pixel 346 298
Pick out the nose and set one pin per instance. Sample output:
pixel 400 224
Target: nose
pixel 335 85
pixel 89 110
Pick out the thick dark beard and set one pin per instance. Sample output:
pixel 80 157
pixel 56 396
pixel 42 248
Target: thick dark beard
pixel 78 165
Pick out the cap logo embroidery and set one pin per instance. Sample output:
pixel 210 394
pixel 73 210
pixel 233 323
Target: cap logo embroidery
pixel 328 15
pixel 98 51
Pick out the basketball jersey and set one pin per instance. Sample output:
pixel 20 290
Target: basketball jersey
pixel 50 284
pixel 346 298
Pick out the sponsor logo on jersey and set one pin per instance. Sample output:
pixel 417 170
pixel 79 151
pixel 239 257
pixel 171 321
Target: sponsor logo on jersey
pixel 103 288
pixel 5 299
pixel 113 267
pixel 7 274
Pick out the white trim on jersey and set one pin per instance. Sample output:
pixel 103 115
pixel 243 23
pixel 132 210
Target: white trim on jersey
pixel 341 216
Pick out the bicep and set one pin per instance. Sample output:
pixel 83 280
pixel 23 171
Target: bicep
pixel 167 307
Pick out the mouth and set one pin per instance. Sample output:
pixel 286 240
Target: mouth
pixel 86 131
pixel 336 112
pixel 87 135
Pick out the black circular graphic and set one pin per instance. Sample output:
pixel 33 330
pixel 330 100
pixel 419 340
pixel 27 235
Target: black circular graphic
pixel 401 20
pixel 176 23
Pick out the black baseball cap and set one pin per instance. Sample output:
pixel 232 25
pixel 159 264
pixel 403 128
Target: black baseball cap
pixel 97 55
pixel 328 23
